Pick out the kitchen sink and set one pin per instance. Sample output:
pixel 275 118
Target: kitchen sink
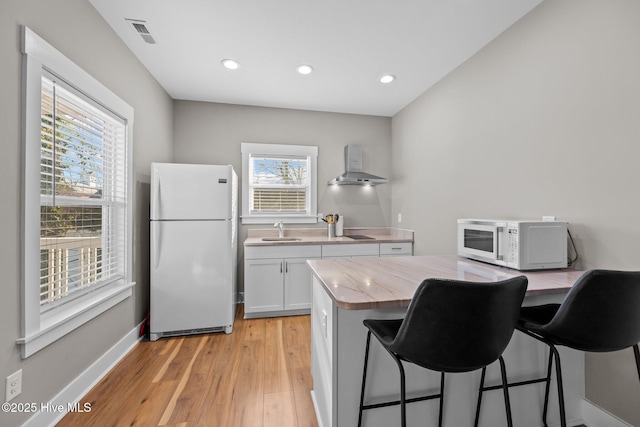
pixel 281 239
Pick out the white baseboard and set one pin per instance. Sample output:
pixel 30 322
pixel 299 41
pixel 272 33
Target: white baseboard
pixel 594 416
pixel 84 382
pixel 315 407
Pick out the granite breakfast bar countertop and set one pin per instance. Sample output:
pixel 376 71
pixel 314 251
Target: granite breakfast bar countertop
pixel 365 283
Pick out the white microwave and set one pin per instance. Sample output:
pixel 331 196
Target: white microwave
pixel 521 245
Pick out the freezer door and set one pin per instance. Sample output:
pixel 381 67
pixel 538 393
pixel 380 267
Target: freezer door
pixel 181 191
pixel 191 275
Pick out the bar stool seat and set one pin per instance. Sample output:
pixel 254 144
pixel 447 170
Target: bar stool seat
pixel 601 313
pixel 450 326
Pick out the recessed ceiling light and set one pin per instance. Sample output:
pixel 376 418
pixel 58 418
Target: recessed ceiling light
pixel 304 69
pixel 387 78
pixel 230 64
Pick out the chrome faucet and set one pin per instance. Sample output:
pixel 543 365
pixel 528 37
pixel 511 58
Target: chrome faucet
pixel 280 226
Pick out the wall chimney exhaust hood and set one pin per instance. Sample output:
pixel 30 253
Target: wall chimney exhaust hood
pixel 353 169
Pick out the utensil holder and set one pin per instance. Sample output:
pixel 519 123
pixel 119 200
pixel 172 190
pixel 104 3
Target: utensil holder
pixel 331 230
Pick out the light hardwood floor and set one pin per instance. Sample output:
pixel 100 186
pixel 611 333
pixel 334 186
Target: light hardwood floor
pixel 259 375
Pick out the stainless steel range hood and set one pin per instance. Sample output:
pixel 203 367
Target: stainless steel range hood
pixel 353 169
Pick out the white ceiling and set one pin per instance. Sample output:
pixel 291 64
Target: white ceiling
pixel 350 43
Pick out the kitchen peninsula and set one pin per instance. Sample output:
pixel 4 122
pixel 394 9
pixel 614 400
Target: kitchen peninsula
pixel 347 291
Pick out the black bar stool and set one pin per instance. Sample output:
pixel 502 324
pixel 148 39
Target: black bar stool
pixel 601 313
pixel 450 326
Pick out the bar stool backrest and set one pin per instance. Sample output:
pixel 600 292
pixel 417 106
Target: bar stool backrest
pixel 600 313
pixel 458 326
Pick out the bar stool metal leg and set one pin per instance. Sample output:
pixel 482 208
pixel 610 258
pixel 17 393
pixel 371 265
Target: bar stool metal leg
pixel 364 377
pixel 546 390
pixel 636 353
pixel 563 416
pixel 441 399
pixel 403 396
pixel 480 390
pixel 505 388
pixel 553 354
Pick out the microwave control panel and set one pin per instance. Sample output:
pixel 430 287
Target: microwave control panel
pixel 512 246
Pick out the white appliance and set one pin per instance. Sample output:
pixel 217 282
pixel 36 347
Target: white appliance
pixel 193 249
pixel 521 245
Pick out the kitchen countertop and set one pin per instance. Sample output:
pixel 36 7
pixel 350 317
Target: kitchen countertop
pixel 318 236
pixel 366 283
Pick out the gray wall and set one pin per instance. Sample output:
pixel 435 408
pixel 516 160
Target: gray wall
pixel 212 133
pixel 74 28
pixel 542 121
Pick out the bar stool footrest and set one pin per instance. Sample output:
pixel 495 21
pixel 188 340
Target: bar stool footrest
pixel 515 384
pixel 397 402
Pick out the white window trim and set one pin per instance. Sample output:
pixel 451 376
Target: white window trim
pixel 249 148
pixel 39 330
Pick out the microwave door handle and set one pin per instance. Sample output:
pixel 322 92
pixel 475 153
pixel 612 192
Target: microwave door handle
pixel 499 254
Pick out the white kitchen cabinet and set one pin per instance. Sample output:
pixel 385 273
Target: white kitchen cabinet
pixel 263 285
pixel 297 284
pixel 277 280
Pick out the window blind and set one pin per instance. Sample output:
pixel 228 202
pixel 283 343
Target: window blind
pixel 279 200
pixel 82 194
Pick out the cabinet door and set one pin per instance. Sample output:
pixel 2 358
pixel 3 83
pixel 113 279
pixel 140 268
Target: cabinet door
pixel 297 284
pixel 263 285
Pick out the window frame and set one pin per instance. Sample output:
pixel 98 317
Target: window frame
pixel 39 329
pixel 262 149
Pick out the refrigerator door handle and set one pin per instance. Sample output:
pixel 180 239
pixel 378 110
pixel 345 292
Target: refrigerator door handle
pixel 156 242
pixel 156 202
pixel 286 266
pixel 281 266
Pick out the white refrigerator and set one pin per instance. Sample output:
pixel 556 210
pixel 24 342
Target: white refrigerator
pixel 193 238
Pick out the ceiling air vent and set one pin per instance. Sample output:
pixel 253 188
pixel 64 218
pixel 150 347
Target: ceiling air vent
pixel 140 27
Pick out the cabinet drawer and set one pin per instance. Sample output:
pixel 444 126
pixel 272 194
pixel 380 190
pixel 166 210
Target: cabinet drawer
pixel 403 248
pixel 368 249
pixel 282 251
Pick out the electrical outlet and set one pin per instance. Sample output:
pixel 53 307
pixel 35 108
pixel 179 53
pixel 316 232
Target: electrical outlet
pixel 14 385
pixel 399 218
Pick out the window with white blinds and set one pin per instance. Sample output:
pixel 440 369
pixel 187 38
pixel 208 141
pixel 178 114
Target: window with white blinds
pixel 83 194
pixel 279 183
pixel 76 201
